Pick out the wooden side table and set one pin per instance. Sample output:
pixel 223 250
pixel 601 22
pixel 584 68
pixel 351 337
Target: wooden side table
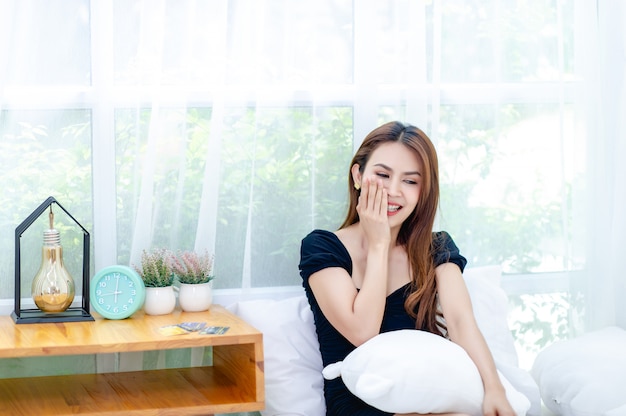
pixel 234 383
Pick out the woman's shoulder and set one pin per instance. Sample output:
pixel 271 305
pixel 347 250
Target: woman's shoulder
pixel 322 248
pixel 441 234
pixel 320 237
pixel 441 238
pixel 445 250
pixel 322 241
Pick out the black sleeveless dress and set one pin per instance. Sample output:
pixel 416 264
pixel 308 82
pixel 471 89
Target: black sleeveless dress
pixel 321 249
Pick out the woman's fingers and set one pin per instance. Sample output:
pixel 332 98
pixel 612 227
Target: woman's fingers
pixel 371 194
pixel 368 194
pixel 373 198
pixel 383 201
pixel 372 210
pixel 379 202
pixel 364 192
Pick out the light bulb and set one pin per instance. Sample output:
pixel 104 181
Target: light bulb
pixel 53 287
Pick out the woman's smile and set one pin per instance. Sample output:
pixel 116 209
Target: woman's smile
pixel 392 209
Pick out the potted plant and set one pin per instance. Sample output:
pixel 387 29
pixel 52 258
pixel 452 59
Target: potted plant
pixel 195 273
pixel 158 277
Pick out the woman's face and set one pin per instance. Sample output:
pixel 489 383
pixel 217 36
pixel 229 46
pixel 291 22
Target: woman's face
pixel 400 171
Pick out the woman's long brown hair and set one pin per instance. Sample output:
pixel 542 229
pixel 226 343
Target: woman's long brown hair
pixel 416 231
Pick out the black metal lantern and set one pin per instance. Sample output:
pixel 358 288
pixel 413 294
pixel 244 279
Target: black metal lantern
pixel 42 313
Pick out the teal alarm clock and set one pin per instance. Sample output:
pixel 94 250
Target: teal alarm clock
pixel 117 292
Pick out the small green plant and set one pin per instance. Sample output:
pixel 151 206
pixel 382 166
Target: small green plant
pixel 192 268
pixel 156 268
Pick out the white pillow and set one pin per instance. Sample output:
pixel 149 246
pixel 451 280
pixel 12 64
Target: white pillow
pixel 584 376
pixel 293 364
pixel 415 371
pixel 490 305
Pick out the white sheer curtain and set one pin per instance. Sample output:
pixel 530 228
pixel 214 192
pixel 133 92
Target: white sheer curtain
pixel 227 125
pixel 605 282
pixel 204 82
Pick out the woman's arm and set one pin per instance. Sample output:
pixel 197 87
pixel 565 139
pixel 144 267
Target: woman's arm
pixel 358 314
pixel 463 330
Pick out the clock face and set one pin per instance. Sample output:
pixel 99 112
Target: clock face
pixel 117 292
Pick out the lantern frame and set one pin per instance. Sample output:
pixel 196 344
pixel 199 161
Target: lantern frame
pixel 71 314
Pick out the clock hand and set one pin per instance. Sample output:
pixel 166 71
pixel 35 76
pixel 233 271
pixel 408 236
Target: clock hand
pixel 117 284
pixel 116 292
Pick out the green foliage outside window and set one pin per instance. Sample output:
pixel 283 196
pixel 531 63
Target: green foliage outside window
pixel 282 172
pixel 42 154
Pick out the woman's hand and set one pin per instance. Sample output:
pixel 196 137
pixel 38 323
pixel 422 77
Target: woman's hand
pixel 495 403
pixel 372 210
pixel 462 328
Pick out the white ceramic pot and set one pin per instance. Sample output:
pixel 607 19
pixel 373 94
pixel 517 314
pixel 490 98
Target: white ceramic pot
pixel 195 298
pixel 159 300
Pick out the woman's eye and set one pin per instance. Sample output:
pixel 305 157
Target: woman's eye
pixel 382 175
pixel 410 181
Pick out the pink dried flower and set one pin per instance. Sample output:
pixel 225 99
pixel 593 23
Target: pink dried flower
pixel 192 268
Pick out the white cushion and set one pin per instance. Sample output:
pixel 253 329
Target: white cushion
pixel 584 376
pixel 415 371
pixel 293 364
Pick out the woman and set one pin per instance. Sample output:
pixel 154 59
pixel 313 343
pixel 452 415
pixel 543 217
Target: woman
pixel 385 269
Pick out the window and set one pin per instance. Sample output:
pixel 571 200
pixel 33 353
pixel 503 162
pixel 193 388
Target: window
pixel 228 126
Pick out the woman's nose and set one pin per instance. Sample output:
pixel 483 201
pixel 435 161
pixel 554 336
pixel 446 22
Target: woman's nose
pixel 393 187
